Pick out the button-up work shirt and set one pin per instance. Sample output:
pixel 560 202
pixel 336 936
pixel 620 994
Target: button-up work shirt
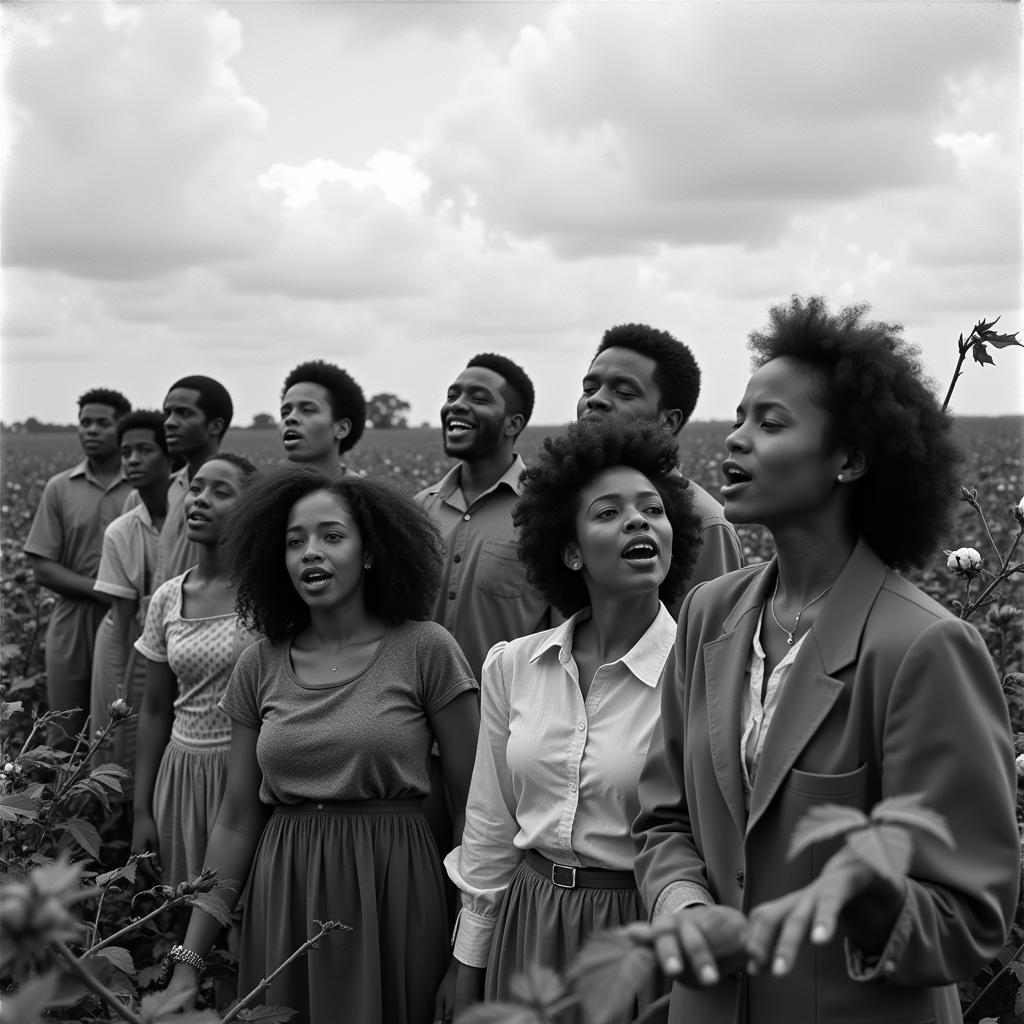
pixel 554 773
pixel 484 596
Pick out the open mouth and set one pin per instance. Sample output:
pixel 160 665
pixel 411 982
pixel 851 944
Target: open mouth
pixel 735 477
pixel 195 517
pixel 456 427
pixel 291 436
pixel 314 577
pixel 640 551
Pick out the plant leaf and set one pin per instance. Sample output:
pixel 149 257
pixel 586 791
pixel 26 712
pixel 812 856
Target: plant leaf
pixel 18 805
pixel 162 1003
pixel 910 810
pixel 118 956
pixel 84 833
pixel 980 354
pixel 500 1013
pixel 9 707
pixel 27 1004
pixel 608 972
pixel 213 905
pixel 126 871
pixel 887 849
pixel 824 821
pixel 24 683
pixel 267 1014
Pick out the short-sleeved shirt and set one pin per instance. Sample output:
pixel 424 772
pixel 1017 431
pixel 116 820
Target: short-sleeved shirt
pixel 129 558
pixel 367 737
pixel 484 596
pixel 201 653
pixel 74 511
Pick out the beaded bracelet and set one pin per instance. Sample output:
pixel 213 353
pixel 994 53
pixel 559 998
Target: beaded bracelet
pixel 181 955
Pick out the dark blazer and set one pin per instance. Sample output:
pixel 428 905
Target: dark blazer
pixel 889 694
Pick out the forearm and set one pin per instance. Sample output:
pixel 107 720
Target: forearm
pixel 64 581
pixel 154 733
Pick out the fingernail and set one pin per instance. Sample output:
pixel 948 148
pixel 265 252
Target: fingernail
pixel 752 967
pixel 708 975
pixel 673 965
pixel 819 933
pixel 779 965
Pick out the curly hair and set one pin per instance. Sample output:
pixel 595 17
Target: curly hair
pixel 879 402
pixel 247 468
pixel 676 373
pixel 546 512
pixel 106 396
pixel 347 399
pixel 404 541
pixel 143 419
pixel 214 402
pixel 518 385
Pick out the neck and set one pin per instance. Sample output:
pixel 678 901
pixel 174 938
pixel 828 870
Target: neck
pixel 154 497
pixel 340 626
pixel 481 474
pixel 618 621
pixel 197 458
pixel 108 466
pixel 209 565
pixel 809 562
pixel 328 465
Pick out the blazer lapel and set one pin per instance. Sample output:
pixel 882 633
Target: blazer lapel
pixel 812 689
pixel 725 671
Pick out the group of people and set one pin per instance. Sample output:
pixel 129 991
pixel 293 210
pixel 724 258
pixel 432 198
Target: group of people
pixel 551 691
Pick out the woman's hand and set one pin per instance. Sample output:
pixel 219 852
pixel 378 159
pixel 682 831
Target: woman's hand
pixel 846 885
pixel 460 988
pixel 699 944
pixel 184 983
pixel 145 839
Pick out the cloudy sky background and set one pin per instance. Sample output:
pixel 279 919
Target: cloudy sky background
pixel 230 188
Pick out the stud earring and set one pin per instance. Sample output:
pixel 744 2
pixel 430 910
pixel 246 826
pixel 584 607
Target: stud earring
pixel 367 565
pixel 576 565
pixel 840 478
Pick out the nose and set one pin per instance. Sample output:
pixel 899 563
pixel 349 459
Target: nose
pixel 735 440
pixel 291 418
pixel 636 521
pixel 598 400
pixel 311 552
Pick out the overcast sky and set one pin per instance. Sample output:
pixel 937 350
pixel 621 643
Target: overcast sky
pixel 231 188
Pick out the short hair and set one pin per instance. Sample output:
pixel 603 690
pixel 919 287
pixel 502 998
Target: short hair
pixel 546 512
pixel 106 396
pixel 878 402
pixel 403 540
pixel 676 373
pixel 518 386
pixel 247 468
pixel 214 401
pixel 347 399
pixel 144 419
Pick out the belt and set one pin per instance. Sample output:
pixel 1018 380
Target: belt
pixel 567 876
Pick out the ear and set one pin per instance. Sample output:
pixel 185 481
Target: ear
pixel 342 428
pixel 671 420
pixel 215 427
pixel 514 425
pixel 854 466
pixel 570 554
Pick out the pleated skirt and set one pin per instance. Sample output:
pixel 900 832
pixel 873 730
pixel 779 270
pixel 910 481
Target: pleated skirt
pixel 372 865
pixel 542 924
pixel 186 798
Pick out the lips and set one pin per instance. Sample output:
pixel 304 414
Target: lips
pixel 639 550
pixel 291 436
pixel 454 425
pixel 314 576
pixel 736 477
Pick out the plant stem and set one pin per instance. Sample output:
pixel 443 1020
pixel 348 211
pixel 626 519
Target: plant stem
pixel 264 984
pixel 963 349
pixel 991 539
pixel 110 940
pixel 101 990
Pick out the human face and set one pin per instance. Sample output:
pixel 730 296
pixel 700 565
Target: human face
pixel 323 552
pixel 185 424
pixel 212 494
pixel 623 536
pixel 96 431
pixel 309 431
pixel 620 382
pixel 143 460
pixel 475 418
pixel 779 470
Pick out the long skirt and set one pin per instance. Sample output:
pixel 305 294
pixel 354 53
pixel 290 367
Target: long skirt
pixel 542 924
pixel 372 865
pixel 186 798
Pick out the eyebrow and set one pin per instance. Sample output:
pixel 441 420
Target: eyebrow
pixel 615 378
pixel 615 496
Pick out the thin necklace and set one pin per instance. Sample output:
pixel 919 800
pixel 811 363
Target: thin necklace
pixel 790 633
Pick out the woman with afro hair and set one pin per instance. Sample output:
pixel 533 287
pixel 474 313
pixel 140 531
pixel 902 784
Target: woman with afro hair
pixel 824 677
pixel 333 717
pixel 607 533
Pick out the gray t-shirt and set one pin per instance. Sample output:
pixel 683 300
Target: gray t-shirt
pixel 363 738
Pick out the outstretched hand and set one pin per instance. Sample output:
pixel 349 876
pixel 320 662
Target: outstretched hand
pixel 778 928
pixel 701 943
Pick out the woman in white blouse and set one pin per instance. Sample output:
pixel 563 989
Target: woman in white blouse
pixel 607 534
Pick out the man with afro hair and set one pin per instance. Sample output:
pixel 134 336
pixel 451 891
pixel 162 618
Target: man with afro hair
pixel 640 371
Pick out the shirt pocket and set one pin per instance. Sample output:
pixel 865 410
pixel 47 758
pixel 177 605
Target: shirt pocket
pixel 499 572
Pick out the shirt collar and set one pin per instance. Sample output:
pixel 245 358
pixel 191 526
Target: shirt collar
pixel 645 659
pixel 82 469
pixel 452 480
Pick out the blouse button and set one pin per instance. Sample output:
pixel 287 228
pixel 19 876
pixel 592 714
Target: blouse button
pixel 319 807
pixel 466 518
pixel 572 787
pixel 582 726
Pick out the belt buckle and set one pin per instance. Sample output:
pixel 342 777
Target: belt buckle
pixel 563 871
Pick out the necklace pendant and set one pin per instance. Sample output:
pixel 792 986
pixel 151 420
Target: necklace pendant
pixel 789 639
pixel 335 669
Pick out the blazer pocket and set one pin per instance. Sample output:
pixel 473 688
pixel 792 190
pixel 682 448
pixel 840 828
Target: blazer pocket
pixel 828 787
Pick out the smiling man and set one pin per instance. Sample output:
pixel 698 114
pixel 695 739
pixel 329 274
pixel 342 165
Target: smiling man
pixel 64 546
pixel 323 415
pixel 640 371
